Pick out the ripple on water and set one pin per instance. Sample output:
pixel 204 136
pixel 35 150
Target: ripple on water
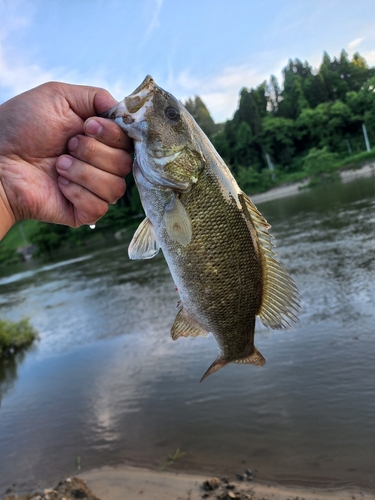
pixel 107 384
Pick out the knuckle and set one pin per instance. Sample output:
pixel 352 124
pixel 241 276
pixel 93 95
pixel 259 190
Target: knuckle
pixel 87 148
pixel 124 165
pixel 96 212
pixel 118 190
pixel 100 210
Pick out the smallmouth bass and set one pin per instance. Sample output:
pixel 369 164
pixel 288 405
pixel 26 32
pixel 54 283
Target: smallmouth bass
pixel 215 241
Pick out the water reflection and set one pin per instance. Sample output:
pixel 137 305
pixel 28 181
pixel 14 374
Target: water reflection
pixel 8 372
pixel 107 383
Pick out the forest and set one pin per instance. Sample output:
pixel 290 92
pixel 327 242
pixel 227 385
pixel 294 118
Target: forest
pixel 306 126
pixel 285 132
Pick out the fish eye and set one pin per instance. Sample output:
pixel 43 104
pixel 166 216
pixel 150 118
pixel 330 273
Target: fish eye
pixel 172 113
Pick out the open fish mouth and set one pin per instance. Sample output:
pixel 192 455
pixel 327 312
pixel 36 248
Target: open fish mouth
pixel 133 107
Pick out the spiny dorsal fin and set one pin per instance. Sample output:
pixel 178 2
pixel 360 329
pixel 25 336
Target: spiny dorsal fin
pixel 177 222
pixel 280 301
pixel 185 326
pixel 144 244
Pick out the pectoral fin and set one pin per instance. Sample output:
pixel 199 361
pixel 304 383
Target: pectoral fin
pixel 280 299
pixel 185 326
pixel 177 222
pixel 144 244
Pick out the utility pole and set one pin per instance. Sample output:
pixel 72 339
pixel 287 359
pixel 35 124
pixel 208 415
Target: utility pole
pixel 270 166
pixel 23 235
pixel 366 137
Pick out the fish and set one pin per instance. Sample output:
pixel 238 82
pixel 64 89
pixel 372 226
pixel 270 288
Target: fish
pixel 215 241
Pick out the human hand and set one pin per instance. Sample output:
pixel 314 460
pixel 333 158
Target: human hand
pixel 57 163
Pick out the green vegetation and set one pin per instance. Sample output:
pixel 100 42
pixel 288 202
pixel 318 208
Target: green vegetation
pixel 311 126
pixel 17 237
pixel 15 335
pixel 173 458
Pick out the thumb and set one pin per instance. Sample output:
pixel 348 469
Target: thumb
pixel 88 101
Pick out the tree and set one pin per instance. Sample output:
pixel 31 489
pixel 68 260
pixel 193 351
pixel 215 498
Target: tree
pixel 200 113
pixel 278 139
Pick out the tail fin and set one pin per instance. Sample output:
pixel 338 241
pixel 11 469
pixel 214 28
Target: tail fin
pixel 255 358
pixel 216 365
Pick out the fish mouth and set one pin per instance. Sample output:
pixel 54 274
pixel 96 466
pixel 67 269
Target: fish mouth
pixel 132 108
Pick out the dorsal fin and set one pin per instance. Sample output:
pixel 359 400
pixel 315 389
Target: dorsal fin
pixel 185 326
pixel 280 299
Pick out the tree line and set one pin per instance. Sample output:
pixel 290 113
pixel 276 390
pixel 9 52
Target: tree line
pixel 276 130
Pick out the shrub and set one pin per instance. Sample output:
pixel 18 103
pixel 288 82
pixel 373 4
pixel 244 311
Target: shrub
pixel 15 335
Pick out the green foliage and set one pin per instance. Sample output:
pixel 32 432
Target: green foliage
pixel 200 113
pixel 15 335
pixel 8 256
pixel 173 458
pixel 319 161
pixel 356 161
pixel 320 111
pixel 18 236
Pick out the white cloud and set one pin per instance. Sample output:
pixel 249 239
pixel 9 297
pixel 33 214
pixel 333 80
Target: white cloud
pixel 219 92
pixel 16 76
pixel 370 57
pixel 354 43
pixel 155 23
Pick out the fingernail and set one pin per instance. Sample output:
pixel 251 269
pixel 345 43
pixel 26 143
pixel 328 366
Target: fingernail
pixel 63 181
pixel 64 162
pixel 93 128
pixel 73 143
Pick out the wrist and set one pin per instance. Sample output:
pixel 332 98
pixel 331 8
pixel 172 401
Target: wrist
pixel 7 217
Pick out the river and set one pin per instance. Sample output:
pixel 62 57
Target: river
pixel 106 385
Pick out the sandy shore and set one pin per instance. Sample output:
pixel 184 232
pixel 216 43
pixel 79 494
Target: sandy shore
pixel 291 189
pixel 128 483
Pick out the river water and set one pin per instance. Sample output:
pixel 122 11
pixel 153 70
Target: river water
pixel 105 384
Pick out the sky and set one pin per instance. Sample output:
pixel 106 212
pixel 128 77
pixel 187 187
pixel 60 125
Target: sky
pixel 210 48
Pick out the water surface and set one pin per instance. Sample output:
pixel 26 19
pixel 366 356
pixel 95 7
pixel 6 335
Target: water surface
pixel 105 383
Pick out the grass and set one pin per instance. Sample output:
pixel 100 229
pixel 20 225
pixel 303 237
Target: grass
pixel 15 336
pixel 355 161
pixel 352 162
pixel 14 238
pixel 173 458
pixel 17 236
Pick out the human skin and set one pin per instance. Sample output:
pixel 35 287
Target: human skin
pixel 59 162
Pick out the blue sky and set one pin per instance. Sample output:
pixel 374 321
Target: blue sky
pixel 210 48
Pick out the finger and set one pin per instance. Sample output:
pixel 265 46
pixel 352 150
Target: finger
pixel 109 133
pixel 88 207
pixel 86 101
pixel 89 150
pixel 105 185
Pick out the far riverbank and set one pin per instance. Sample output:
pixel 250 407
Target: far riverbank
pixel 291 189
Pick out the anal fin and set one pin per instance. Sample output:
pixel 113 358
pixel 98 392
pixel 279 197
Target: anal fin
pixel 185 326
